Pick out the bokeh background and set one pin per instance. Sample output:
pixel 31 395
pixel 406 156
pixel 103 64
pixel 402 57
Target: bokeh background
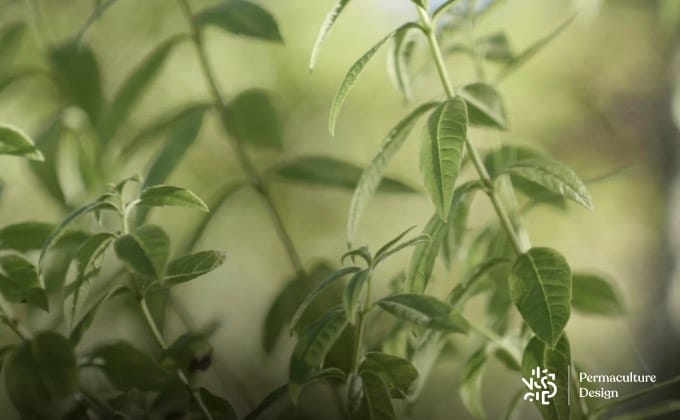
pixel 600 98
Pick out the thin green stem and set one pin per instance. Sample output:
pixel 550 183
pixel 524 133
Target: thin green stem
pixel 476 159
pixel 246 163
pixel 163 345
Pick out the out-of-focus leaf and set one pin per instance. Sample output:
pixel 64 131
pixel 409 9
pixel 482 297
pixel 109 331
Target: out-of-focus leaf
pixel 377 397
pixel 219 408
pixel 190 352
pixel 397 373
pixel 252 118
pixel 656 410
pixel 331 17
pixel 496 47
pixel 145 251
pixel 10 40
pixel 354 73
pixel 128 368
pixel 169 196
pixel 85 322
pixel 372 176
pixel 426 311
pixel 325 171
pixel 441 152
pixel 242 18
pixel 424 256
pixel 24 237
pixel 470 388
pixel 350 298
pixel 21 283
pixel 485 106
pixel 189 267
pixel 49 141
pixel 312 348
pixel 540 285
pixel 40 373
pixel 136 85
pixel 14 142
pixel 594 295
pixel 88 264
pixel 77 73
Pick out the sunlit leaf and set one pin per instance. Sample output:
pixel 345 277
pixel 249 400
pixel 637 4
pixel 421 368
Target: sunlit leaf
pixel 594 295
pixel 372 176
pixel 14 142
pixel 328 22
pixel 441 152
pixel 242 18
pixel 540 285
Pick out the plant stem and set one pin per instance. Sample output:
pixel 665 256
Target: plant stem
pixel 484 176
pixel 497 340
pixel 246 164
pixel 163 345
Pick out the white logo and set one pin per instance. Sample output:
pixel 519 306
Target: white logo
pixel 541 386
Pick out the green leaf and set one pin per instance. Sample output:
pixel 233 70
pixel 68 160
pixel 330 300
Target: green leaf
pixel 314 293
pixel 426 311
pixel 465 289
pixel 21 283
pixel 10 40
pixel 457 222
pixel 372 176
pixel 377 397
pixel 241 18
pixel 553 176
pixel 392 242
pixel 557 361
pixel 420 239
pixel 352 294
pixel 328 22
pixel 540 286
pixel 191 352
pixel 85 322
pixel 354 73
pixel 594 295
pixel 47 172
pixel 361 252
pixel 496 47
pixel 189 267
pixel 531 51
pixel 424 256
pixel 40 373
pixel 88 263
pixel 398 61
pixel 136 84
pixel 470 388
pixel 169 196
pixel 103 203
pixel 325 171
pixel 77 73
pixel 485 106
pixel 312 348
pixel 397 373
pixel 252 118
pixel 219 408
pixel 24 237
pixel 128 368
pixel 145 251
pixel 14 142
pixel 441 152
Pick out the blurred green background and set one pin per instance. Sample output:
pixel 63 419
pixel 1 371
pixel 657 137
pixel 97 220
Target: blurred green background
pixel 599 99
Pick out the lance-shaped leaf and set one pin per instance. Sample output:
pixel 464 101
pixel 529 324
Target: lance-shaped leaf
pixel 127 367
pixel 252 118
pixel 189 267
pixel 353 73
pixel 352 293
pixel 424 256
pixel 21 283
pixel 49 142
pixel 594 295
pixel 537 357
pixel 441 152
pixel 426 311
pixel 329 172
pixel 532 50
pixel 397 373
pixel 377 397
pixel 372 176
pixel 41 372
pixel 496 47
pixel 242 18
pixel 24 237
pixel 485 106
pixel 136 85
pixel 404 245
pixel 328 22
pixel 219 408
pixel 553 176
pixel 314 293
pixel 457 223
pixel 85 322
pixel 10 40
pixel 14 142
pixel 470 388
pixel 145 251
pixel 312 348
pixel 398 60
pixel 88 265
pixel 540 287
pixel 169 196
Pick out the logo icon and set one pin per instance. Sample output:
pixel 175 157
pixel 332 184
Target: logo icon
pixel 541 386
